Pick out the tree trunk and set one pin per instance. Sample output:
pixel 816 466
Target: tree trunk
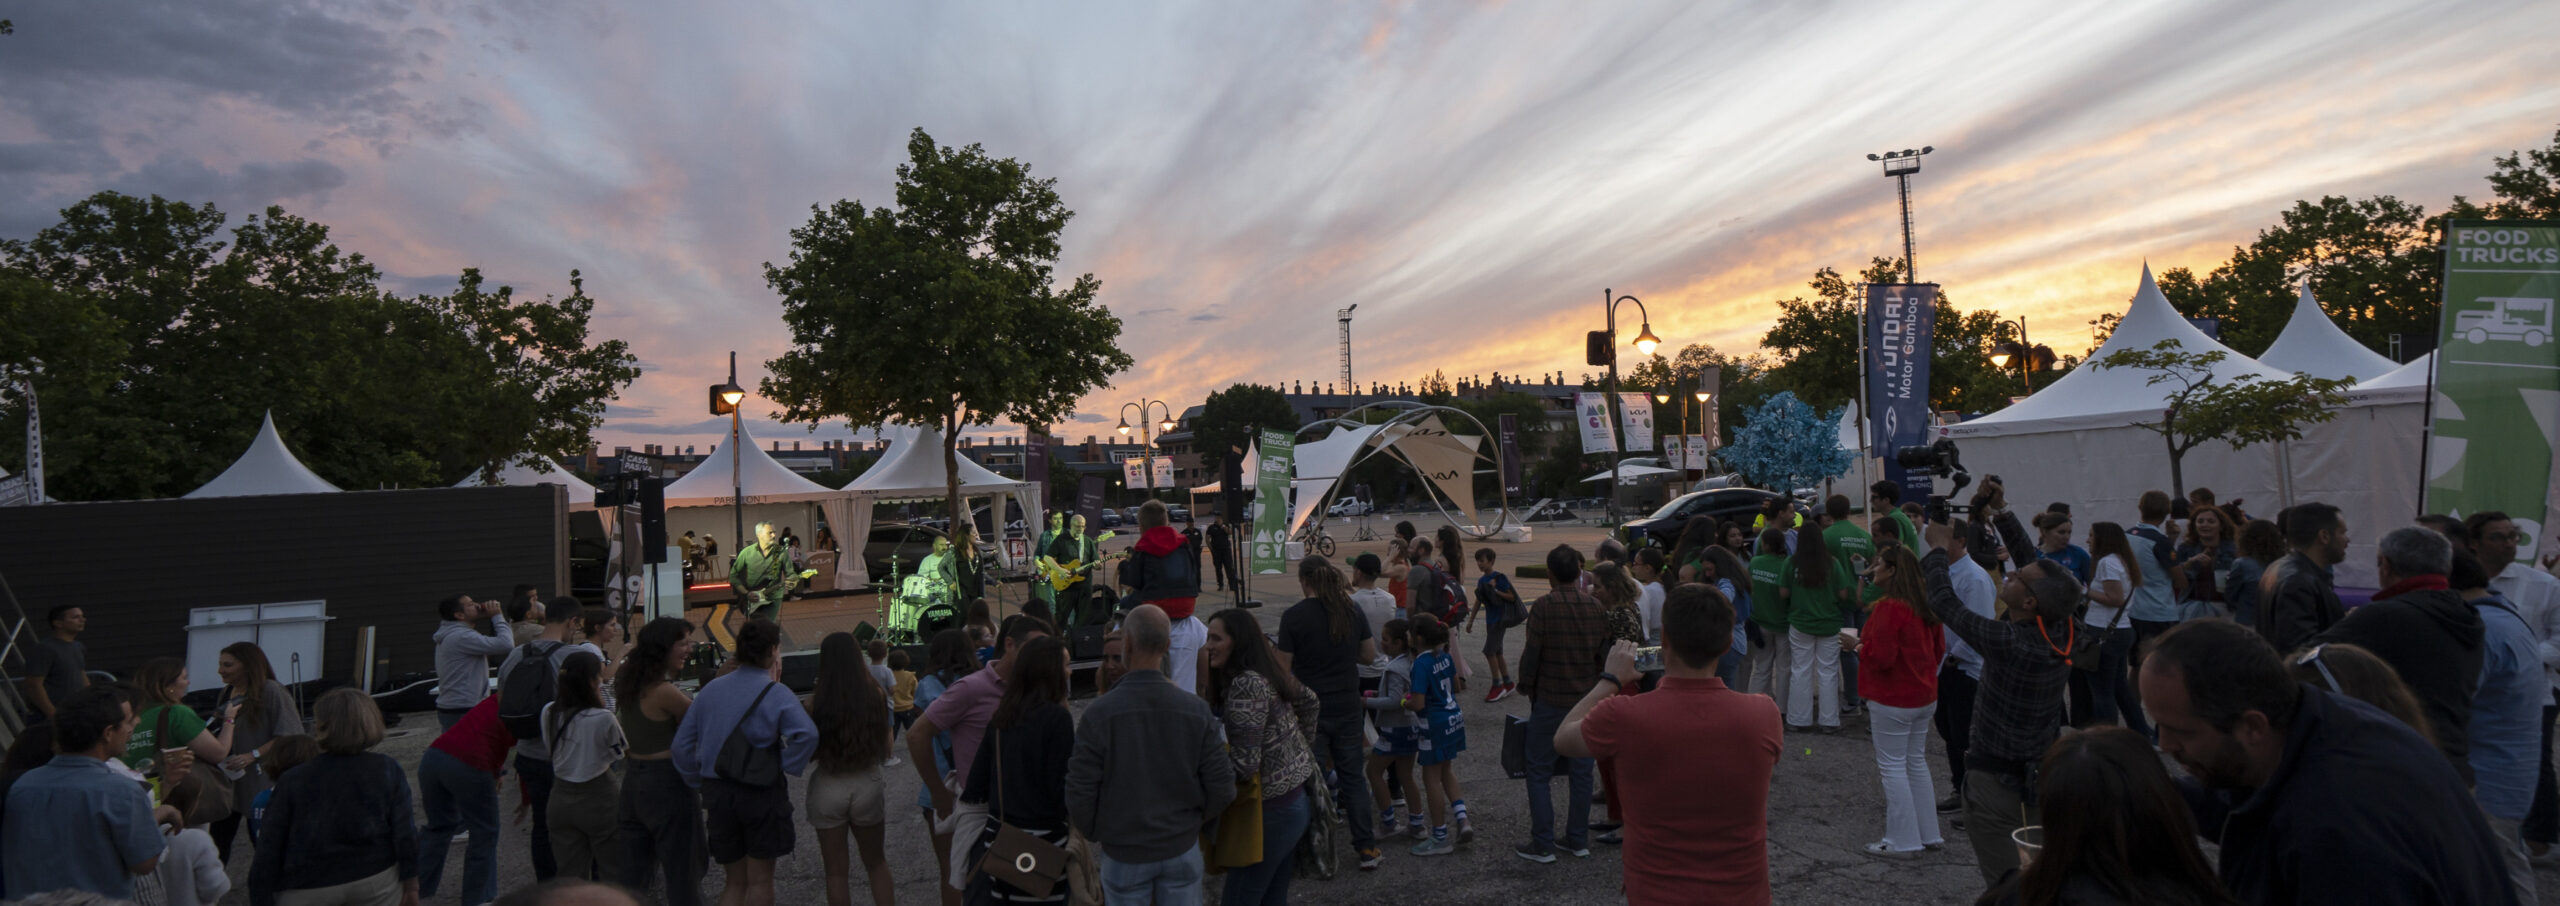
pixel 961 528
pixel 2177 473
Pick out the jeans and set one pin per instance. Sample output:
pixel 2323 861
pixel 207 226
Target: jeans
pixel 1766 673
pixel 447 717
pixel 1854 619
pixel 1338 739
pixel 1955 718
pixel 1729 668
pixel 1544 720
pixel 458 796
pixel 1266 883
pixel 1993 806
pixel 2111 688
pixel 1813 668
pixel 535 774
pixel 2542 824
pixel 659 822
pixel 1172 882
pixel 1902 758
pixel 2511 851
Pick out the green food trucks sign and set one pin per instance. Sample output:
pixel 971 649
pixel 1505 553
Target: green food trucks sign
pixel 2495 422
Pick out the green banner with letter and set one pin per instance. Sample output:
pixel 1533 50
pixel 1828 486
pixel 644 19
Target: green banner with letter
pixel 1269 552
pixel 2495 422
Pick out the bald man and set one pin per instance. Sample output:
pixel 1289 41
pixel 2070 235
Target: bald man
pixel 1150 770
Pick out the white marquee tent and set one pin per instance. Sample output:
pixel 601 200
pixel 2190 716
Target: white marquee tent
pixel 582 496
pixel 700 501
pixel 2312 344
pixel 266 468
pixel 913 471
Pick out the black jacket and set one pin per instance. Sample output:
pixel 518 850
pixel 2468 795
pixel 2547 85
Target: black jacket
pixel 2359 811
pixel 2305 604
pixel 2432 637
pixel 1150 769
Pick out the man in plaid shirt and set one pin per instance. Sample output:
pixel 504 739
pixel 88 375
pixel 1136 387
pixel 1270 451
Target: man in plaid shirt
pixel 1568 637
pixel 2017 710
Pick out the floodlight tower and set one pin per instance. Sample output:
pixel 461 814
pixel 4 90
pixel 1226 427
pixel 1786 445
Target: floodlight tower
pixel 1900 165
pixel 1344 317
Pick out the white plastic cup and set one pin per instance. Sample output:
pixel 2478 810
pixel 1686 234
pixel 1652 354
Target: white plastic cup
pixel 2030 841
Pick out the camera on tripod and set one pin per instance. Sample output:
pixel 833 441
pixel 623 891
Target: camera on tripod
pixel 1933 461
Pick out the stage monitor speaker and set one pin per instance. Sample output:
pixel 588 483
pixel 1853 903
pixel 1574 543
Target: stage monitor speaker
pixel 653 519
pixel 800 670
pixel 1231 490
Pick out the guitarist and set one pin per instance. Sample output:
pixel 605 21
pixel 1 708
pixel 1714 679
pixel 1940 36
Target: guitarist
pixel 1075 600
pixel 1041 590
pixel 761 576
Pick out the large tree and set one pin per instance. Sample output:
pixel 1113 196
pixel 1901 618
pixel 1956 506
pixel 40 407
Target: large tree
pixel 942 311
pixel 1230 418
pixel 2240 412
pixel 1816 342
pixel 156 346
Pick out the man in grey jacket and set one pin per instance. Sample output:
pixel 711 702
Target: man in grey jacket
pixel 1150 770
pixel 462 655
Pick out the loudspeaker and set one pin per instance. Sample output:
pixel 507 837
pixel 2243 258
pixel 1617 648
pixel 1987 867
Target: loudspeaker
pixel 799 671
pixel 653 519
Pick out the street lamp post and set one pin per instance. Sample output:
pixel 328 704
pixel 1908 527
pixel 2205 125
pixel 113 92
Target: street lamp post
pixel 1900 165
pixel 1146 441
pixel 2030 358
pixel 725 398
pixel 1706 425
pixel 1645 344
pixel 1662 397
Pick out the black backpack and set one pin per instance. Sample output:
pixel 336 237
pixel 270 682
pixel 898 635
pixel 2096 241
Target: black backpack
pixel 523 692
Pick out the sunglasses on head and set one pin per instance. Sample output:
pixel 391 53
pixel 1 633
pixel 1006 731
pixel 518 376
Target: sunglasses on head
pixel 2312 658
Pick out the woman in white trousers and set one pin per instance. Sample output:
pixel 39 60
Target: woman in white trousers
pixel 1898 657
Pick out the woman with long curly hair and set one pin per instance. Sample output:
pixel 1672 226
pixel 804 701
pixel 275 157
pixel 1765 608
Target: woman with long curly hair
pixel 1269 718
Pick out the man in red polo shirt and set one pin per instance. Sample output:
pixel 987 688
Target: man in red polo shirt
pixel 1686 842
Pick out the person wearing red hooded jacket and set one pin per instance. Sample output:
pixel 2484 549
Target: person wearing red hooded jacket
pixel 1164 570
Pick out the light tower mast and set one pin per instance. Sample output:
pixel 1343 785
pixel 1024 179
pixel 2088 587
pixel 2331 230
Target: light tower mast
pixel 1344 317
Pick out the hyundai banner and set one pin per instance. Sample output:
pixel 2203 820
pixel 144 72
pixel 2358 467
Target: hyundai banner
pixel 1899 318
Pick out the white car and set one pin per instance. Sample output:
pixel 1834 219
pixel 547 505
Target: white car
pixel 1349 506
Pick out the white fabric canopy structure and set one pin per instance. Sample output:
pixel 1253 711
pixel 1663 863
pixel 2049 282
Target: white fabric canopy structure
pixel 266 468
pixel 582 496
pixel 700 501
pixel 2312 344
pixel 1629 473
pixel 913 471
pixel 1443 457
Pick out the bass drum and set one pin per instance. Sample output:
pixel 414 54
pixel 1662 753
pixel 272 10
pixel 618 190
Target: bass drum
pixel 937 617
pixel 921 587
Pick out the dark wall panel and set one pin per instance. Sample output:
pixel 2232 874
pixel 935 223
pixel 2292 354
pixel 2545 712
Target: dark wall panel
pixel 379 558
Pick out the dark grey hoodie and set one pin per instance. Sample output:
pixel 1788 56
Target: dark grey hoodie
pixel 2432 638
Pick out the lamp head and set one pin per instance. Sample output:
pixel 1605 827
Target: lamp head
pixel 725 398
pixel 1662 396
pixel 1703 395
pixel 1124 426
pixel 1646 342
pixel 1166 425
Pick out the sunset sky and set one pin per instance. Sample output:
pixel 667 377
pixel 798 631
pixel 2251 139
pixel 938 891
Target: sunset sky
pixel 1472 175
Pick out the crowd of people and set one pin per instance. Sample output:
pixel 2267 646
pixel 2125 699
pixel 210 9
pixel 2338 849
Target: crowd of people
pixel 2395 751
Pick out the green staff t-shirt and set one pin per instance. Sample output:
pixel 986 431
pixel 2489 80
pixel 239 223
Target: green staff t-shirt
pixel 146 745
pixel 1768 574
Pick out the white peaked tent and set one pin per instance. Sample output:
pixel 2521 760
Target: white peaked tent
pixel 582 496
pixel 2312 344
pixel 913 471
pixel 267 468
pixel 700 501
pixel 2078 440
pixel 2366 461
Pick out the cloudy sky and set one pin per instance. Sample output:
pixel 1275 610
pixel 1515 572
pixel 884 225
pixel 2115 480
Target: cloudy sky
pixel 1472 175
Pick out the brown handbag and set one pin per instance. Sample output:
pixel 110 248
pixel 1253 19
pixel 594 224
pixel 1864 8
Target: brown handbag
pixel 212 786
pixel 1016 856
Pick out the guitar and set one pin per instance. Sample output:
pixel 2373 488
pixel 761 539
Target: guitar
pixel 1061 576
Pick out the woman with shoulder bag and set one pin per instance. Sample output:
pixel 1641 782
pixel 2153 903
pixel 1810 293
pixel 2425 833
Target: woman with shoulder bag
pixel 171 743
pixel 1020 774
pixel 265 713
pixel 1269 718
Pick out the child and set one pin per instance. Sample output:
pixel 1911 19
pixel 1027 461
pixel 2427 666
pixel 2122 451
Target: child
pixel 190 871
pixel 1647 570
pixel 902 693
pixel 1399 732
pixel 284 754
pixel 1444 735
pixel 1500 604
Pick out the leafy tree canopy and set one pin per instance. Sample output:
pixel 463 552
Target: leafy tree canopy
pixel 156 347
pixel 940 312
pixel 1816 342
pixel 1231 418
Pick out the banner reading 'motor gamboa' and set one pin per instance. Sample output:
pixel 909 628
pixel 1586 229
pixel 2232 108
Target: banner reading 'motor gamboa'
pixel 1271 502
pixel 2496 420
pixel 1899 318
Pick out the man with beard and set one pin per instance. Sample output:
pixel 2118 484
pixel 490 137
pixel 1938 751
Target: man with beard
pixel 2315 797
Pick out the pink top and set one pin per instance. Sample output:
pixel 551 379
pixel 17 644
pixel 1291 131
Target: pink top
pixel 963 711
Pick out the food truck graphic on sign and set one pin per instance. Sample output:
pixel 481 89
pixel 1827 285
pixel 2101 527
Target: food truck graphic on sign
pixel 2506 318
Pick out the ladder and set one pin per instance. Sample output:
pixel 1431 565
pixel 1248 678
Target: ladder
pixel 13 707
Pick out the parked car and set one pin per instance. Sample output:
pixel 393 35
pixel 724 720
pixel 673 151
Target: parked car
pixel 1662 528
pixel 909 542
pixel 1110 518
pixel 1178 513
pixel 1349 506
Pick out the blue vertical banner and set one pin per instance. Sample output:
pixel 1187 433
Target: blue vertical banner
pixel 1900 317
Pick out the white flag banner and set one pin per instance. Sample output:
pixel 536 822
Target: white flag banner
pixel 1597 435
pixel 1162 468
pixel 1697 444
pixel 1674 454
pixel 1133 472
pixel 1638 409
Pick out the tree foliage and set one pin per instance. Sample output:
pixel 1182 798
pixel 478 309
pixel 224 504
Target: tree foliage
pixel 2526 186
pixel 940 312
pixel 157 346
pixel 1784 443
pixel 1816 341
pixel 1231 417
pixel 2243 411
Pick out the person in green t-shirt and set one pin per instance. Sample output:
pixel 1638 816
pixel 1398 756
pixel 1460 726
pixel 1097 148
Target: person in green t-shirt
pixel 1853 549
pixel 1766 671
pixel 1816 589
pixel 1884 501
pixel 158 685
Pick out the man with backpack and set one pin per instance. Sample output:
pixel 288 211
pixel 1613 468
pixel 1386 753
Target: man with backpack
pixel 2153 608
pixel 528 680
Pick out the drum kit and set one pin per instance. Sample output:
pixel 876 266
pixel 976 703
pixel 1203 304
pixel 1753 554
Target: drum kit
pixel 925 604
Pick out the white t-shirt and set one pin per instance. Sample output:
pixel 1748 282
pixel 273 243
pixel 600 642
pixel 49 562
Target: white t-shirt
pixel 1376 606
pixel 1649 607
pixel 2109 567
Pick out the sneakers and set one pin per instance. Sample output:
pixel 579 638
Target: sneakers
pixel 1609 837
pixel 1951 805
pixel 1369 859
pixel 1466 831
pixel 1879 848
pixel 1578 852
pixel 1438 847
pixel 1493 694
pixel 1534 853
pixel 1605 825
pixel 1421 832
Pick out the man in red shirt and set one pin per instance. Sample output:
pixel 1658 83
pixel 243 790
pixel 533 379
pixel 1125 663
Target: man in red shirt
pixel 1686 842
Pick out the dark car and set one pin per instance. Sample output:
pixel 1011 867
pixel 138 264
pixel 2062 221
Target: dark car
pixel 1662 529
pixel 910 542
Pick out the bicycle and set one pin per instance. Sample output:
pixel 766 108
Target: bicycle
pixel 1317 540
